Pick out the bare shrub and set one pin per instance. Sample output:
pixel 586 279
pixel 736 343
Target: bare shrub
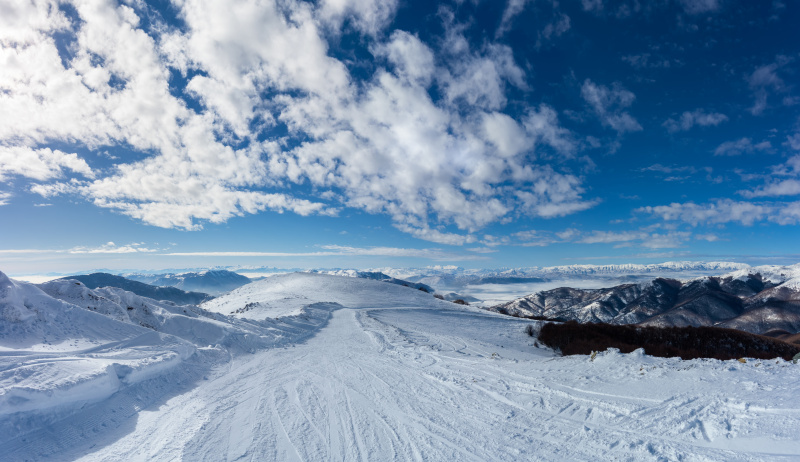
pixel 440 297
pixel 530 330
pixel 460 302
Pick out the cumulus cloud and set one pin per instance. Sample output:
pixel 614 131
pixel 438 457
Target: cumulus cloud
pixel 742 146
pixel 368 16
pixel 5 198
pixel 789 187
pixel 40 164
pixel 260 126
pixel 698 117
pixel 609 104
pixel 725 211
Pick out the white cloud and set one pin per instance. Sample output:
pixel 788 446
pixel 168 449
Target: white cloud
pixel 642 238
pixel 413 59
pixel 764 80
pixel 368 16
pixel 340 251
pixel 726 211
pixel 794 141
pixel 669 170
pixel 698 117
pixel 741 146
pixel 110 247
pixel 609 105
pixel 381 144
pixel 789 187
pixel 5 198
pixel 513 8
pixel 39 164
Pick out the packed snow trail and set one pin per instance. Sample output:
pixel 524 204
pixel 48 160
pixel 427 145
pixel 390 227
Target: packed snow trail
pixel 416 383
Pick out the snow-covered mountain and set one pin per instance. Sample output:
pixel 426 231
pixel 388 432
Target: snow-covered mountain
pixel 341 368
pixel 443 277
pixel 214 282
pixel 172 294
pixel 740 300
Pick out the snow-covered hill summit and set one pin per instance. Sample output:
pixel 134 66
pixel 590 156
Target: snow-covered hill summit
pixel 286 294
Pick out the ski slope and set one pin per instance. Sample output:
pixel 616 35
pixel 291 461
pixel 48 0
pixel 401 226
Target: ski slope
pixel 394 374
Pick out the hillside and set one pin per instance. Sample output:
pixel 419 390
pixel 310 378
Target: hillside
pixel 172 294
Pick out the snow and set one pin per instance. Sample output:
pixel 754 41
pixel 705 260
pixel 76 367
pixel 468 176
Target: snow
pixel 364 370
pixel 286 294
pixel 774 273
pixel 793 284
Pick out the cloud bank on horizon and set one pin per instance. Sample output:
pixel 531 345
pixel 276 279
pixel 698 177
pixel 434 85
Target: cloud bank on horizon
pixel 485 123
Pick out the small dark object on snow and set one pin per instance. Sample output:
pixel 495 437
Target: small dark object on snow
pixel 529 330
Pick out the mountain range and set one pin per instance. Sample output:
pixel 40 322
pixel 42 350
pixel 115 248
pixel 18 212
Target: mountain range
pixel 741 300
pixel 214 282
pixel 172 294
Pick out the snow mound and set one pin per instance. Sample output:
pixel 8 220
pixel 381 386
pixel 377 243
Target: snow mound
pixel 287 294
pixel 56 354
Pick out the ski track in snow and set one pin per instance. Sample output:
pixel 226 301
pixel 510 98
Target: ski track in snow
pixel 430 383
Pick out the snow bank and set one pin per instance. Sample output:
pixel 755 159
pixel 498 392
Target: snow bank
pixel 55 354
pixel 63 345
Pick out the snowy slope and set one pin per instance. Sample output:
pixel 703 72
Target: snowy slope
pixel 286 294
pixel 55 354
pixel 63 345
pixel 398 375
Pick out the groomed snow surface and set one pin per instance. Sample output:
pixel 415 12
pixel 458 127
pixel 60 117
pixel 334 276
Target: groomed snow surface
pixel 333 368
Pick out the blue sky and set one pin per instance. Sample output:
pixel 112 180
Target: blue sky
pixel 365 133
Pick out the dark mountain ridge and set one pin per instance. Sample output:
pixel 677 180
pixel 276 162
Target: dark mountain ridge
pixel 749 303
pixel 172 294
pixel 214 282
